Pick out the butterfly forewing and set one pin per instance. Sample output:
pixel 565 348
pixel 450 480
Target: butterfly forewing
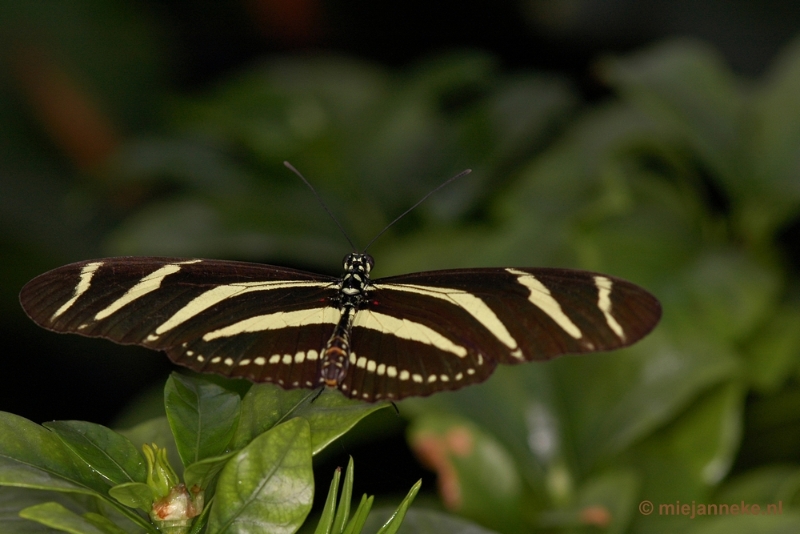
pixel 412 335
pixel 533 314
pixel 172 304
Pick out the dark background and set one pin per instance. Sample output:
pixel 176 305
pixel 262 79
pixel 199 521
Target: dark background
pixel 189 48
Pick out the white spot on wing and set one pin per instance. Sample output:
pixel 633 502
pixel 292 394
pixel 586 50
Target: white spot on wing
pixel 87 272
pixel 604 286
pixel 541 298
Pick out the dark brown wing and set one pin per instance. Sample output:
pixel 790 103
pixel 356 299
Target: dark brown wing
pixel 191 308
pixel 457 325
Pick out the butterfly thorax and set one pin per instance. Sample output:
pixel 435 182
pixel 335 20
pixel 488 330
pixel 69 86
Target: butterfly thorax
pixel 353 289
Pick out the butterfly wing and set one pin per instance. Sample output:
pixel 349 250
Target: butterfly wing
pixel 237 319
pixel 442 330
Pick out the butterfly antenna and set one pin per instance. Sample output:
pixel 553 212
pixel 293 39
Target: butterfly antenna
pixel 319 199
pixel 420 201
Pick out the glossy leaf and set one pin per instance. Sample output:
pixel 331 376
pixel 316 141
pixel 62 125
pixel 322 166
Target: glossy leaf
pixel 56 516
pixel 202 473
pixel 14 499
pixel 203 416
pixel 33 457
pixel 110 454
pixel 156 431
pixel 422 521
pixel 134 495
pixel 268 485
pixel 103 523
pixel 325 524
pixel 329 415
pixel 356 523
pixel 343 510
pixel 392 525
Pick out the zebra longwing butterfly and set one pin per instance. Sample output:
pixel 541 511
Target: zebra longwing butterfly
pixel 409 335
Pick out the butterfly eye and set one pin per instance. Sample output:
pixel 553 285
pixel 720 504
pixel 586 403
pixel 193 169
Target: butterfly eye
pixel 368 262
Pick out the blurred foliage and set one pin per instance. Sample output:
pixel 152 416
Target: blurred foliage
pixel 686 179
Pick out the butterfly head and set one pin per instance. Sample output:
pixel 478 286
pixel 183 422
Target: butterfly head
pixel 359 263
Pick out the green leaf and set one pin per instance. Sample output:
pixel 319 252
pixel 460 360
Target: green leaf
pixel 103 523
pixel 356 523
pixel 202 473
pixel 422 521
pixel 771 355
pixel 477 476
pixel 775 138
pixel 686 85
pixel 156 430
pixel 56 516
pixel 776 524
pixel 343 510
pixel 763 485
pixel 329 415
pixel 33 457
pixel 393 524
pixel 268 485
pixel 609 501
pixel 201 521
pixel 203 416
pixel 682 460
pixel 14 499
pixel 334 518
pixel 112 455
pixel 329 510
pixel 135 495
pixel 723 295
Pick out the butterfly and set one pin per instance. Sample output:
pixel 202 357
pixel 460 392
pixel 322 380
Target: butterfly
pixel 383 339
